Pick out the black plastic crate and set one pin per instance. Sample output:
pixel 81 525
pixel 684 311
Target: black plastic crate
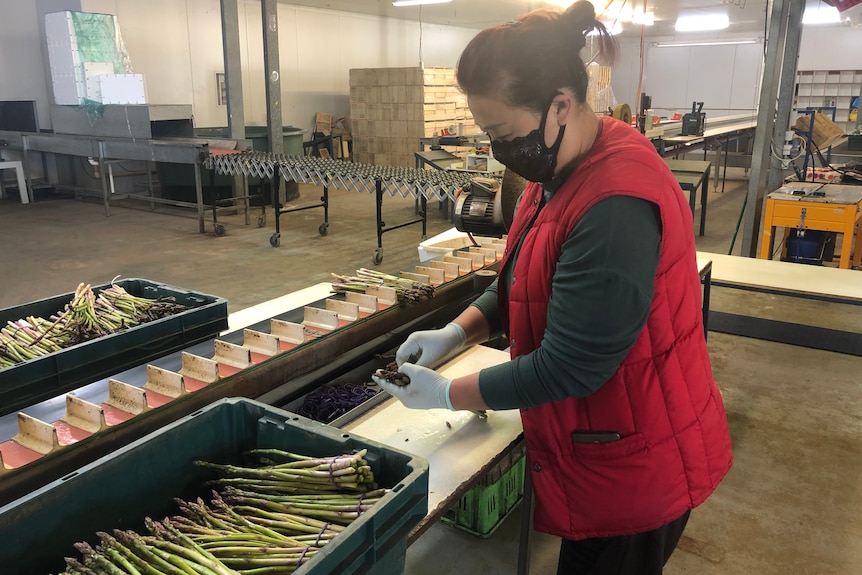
pixel 56 373
pixel 141 480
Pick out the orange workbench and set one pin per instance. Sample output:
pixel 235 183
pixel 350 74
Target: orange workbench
pixel 837 210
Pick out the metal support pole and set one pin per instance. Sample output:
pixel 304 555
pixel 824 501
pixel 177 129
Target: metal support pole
pixel 765 121
pixel 269 13
pixel 232 68
pixel 378 196
pixel 103 175
pixel 25 161
pixel 785 88
pixel 232 76
pixel 199 197
pixel 526 521
pixel 150 184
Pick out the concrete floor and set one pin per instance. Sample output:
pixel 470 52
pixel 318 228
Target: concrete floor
pixel 791 503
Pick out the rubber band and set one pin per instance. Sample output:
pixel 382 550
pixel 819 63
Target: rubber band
pixel 359 505
pixel 302 556
pixel 320 534
pixel 331 463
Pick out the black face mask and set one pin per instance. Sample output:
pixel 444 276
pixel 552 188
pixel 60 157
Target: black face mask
pixel 528 156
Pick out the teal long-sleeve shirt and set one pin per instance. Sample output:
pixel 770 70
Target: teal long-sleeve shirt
pixel 600 299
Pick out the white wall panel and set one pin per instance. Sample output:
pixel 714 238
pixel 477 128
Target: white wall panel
pixel 156 35
pixel 624 76
pixel 206 60
pixel 747 71
pixel 667 77
pixel 725 78
pixel 710 77
pixel 831 48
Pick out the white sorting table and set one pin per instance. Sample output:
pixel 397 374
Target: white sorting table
pixel 459 453
pixel 786 278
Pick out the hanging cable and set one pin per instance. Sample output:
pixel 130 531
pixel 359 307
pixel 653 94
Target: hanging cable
pixel 778 155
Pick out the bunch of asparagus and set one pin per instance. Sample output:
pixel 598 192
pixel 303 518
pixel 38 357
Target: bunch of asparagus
pixel 261 520
pixel 407 290
pixel 86 317
pixel 392 374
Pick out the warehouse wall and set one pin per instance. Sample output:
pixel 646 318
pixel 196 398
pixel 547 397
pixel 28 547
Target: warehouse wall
pixel 725 78
pixel 831 48
pixel 176 44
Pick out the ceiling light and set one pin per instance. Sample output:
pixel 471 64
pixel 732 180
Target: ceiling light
pixel 645 18
pixel 621 11
pixel 821 14
pixel 704 43
pixel 418 2
pixel 702 22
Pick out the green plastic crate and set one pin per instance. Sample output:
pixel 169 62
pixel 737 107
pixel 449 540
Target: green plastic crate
pixel 484 508
pixel 56 373
pixel 141 479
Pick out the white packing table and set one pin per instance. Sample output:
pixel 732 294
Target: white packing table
pixel 458 445
pixel 787 278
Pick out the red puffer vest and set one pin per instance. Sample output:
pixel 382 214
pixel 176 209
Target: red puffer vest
pixel 662 400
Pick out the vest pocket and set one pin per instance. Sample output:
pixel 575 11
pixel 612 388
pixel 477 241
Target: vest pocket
pixel 628 445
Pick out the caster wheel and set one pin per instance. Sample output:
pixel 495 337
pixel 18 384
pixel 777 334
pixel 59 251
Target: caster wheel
pixel 322 230
pixel 378 256
pixel 218 230
pixel 261 221
pixel 275 240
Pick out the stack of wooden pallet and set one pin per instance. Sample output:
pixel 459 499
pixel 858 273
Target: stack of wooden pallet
pixel 392 108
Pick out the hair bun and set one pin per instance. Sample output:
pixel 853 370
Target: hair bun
pixel 580 17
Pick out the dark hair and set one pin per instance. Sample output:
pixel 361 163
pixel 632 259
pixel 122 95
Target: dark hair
pixel 528 60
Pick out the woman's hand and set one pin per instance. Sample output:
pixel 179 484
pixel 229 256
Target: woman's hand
pixel 428 347
pixel 427 388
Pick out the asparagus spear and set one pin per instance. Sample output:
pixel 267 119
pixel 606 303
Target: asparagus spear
pixel 248 531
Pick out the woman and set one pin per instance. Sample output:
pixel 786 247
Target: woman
pixel 599 295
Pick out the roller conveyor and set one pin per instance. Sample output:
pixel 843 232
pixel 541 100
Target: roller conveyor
pixel 424 185
pixel 430 184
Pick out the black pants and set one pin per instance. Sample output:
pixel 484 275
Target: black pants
pixel 639 554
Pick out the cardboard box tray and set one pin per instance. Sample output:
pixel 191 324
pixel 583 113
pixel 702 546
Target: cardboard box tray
pixel 56 373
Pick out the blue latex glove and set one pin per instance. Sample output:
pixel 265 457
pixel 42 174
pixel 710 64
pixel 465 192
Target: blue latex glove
pixel 427 388
pixel 428 347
